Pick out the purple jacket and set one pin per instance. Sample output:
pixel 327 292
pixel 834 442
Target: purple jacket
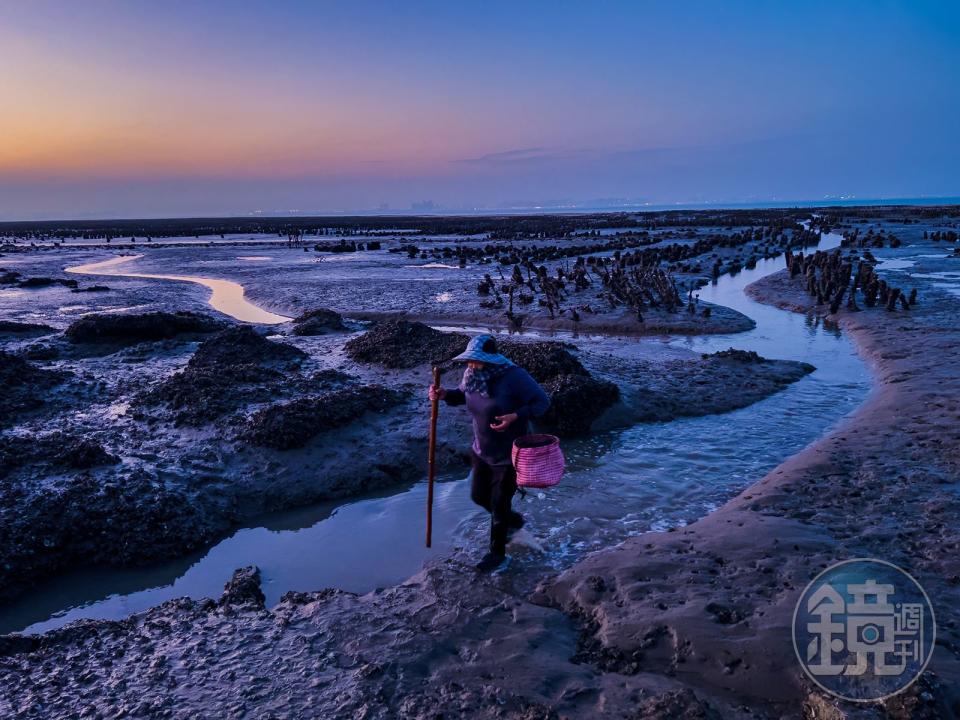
pixel 513 392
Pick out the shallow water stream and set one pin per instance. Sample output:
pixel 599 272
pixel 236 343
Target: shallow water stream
pixel 652 476
pixel 225 295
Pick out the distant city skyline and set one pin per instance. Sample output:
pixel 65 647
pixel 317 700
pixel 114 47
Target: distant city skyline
pixel 140 109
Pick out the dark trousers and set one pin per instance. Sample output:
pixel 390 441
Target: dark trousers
pixel 492 487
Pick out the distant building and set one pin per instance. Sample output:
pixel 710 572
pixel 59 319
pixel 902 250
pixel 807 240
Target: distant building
pixel 425 206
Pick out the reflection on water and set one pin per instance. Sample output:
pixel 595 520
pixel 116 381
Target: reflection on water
pixel 653 476
pixel 226 296
pixel 321 545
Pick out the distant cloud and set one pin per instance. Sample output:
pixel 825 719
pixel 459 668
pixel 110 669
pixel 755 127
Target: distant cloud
pixel 523 155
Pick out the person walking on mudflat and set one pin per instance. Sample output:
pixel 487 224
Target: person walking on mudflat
pixel 501 399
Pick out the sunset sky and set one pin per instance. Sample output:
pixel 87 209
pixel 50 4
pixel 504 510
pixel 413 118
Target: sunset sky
pixel 111 109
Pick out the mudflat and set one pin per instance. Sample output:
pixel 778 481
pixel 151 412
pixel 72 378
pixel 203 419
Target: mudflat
pixel 688 623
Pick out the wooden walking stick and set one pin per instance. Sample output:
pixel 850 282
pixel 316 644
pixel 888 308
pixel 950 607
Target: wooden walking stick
pixel 431 469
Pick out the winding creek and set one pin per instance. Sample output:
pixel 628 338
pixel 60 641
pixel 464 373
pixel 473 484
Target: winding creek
pixel 225 295
pixel 652 476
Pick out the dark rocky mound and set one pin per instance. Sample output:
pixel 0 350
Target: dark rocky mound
pixel 404 344
pixel 40 351
pixel 677 704
pixel 121 519
pixel 91 288
pixel 244 588
pixel 42 282
pixel 144 327
pixel 243 345
pixel 576 397
pixel 199 395
pixel 293 424
pixel 543 360
pixel 232 369
pixel 24 386
pixel 328 379
pixel 9 277
pixel 794 369
pixel 9 327
pixel 744 356
pixel 57 451
pixel 576 401
pixel 318 322
pixel 77 453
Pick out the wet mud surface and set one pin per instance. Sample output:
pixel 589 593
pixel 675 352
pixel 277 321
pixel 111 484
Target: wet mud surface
pixel 689 623
pixel 186 439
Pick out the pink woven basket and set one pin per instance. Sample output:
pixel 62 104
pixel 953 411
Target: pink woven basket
pixel 538 460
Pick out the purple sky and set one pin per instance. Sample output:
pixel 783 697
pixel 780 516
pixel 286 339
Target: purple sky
pixel 147 109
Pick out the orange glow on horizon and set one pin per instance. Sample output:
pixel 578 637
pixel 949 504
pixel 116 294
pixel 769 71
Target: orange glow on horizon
pixel 79 117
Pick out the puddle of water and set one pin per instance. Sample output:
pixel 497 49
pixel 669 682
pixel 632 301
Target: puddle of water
pixel 339 257
pixel 652 476
pixel 950 288
pixel 945 275
pixel 308 543
pixel 121 309
pixel 435 266
pixel 254 258
pixel 896 264
pixel 226 296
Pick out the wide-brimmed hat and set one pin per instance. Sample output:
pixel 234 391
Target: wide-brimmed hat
pixel 483 348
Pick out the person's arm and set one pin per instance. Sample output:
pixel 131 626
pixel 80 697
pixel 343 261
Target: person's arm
pixel 450 397
pixel 455 396
pixel 534 402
